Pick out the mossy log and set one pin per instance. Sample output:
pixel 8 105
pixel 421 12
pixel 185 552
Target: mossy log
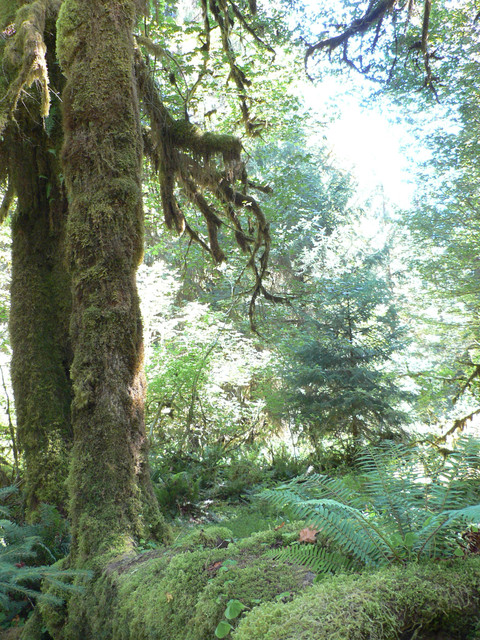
pixel 180 593
pixel 175 593
pixel 423 602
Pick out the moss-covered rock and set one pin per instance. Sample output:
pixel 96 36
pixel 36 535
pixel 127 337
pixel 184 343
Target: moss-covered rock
pixel 393 603
pixel 260 581
pixel 177 594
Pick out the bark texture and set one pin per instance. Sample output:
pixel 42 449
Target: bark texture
pixel 112 500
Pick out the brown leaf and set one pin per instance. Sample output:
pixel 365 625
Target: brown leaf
pixel 308 535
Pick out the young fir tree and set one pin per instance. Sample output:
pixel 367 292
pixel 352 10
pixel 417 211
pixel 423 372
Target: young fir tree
pixel 341 376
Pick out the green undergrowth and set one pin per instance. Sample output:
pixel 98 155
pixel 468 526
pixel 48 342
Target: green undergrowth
pixel 245 519
pixel 242 519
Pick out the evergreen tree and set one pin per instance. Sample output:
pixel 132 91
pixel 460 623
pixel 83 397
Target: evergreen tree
pixel 341 376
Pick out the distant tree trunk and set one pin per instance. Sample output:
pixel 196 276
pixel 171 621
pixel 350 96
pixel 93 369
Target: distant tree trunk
pixel 40 305
pixel 112 500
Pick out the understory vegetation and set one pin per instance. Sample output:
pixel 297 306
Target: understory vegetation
pixel 239 320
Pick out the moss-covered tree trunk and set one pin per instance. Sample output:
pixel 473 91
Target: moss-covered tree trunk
pixel 40 294
pixel 40 301
pixel 111 499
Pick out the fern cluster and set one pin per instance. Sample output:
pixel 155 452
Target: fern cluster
pixel 401 511
pixel 25 554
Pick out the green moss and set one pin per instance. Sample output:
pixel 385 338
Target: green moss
pixel 210 537
pixel 39 317
pixel 260 581
pixel 172 593
pixel 178 595
pixel 264 540
pixel 7 12
pixel 163 608
pixel 386 605
pixel 111 495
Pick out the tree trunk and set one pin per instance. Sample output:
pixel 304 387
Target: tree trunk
pixel 40 303
pixel 112 501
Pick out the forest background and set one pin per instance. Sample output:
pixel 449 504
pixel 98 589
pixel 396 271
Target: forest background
pixel 363 327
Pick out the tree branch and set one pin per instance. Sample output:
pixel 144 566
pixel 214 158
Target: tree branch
pixel 30 65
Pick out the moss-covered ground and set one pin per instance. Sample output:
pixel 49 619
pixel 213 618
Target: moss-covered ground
pixel 181 592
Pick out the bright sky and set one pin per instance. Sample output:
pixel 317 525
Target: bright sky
pixel 367 142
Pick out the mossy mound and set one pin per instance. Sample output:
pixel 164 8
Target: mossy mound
pixel 179 593
pixel 187 598
pixel 414 602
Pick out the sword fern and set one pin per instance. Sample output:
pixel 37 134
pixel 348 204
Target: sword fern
pixel 402 511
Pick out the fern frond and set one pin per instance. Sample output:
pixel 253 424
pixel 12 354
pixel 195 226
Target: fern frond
pixel 442 521
pixel 391 493
pixel 399 514
pixel 315 557
pixel 345 526
pixel 320 486
pixel 457 481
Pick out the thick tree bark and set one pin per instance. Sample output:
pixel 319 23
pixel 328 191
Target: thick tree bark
pixel 112 501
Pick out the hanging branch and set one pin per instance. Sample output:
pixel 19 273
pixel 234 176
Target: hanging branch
pixel 458 425
pixel 25 60
pixel 474 374
pixel 371 17
pixel 373 20
pixel 183 155
pixel 239 15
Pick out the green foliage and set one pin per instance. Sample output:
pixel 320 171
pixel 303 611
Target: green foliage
pixel 176 492
pixel 233 610
pixel 284 465
pixel 246 519
pixel 25 552
pixel 201 371
pixel 340 376
pixel 400 513
pixel 238 477
pixel 318 558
